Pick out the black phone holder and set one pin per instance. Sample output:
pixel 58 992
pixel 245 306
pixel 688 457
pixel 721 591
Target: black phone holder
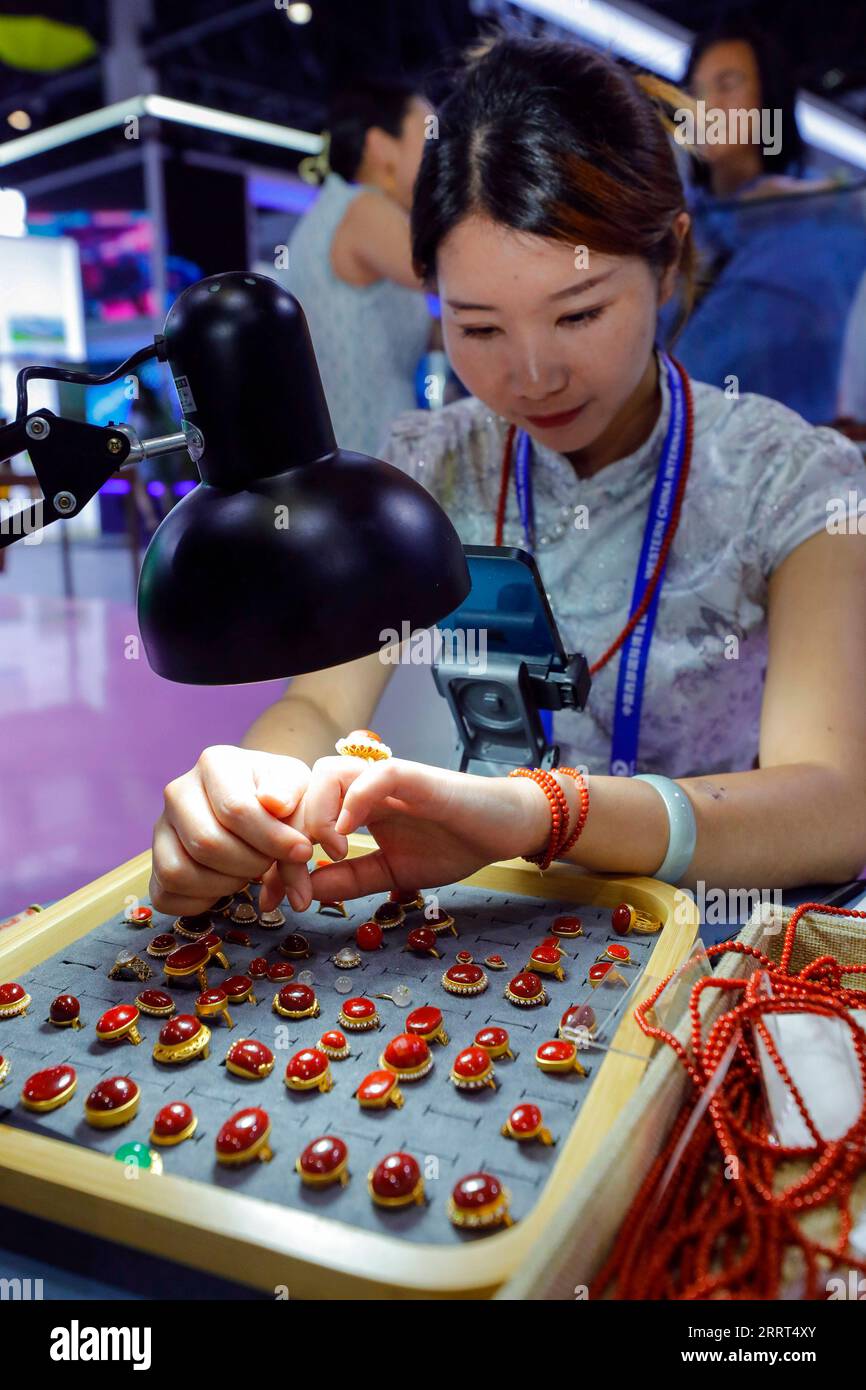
pixel 496 712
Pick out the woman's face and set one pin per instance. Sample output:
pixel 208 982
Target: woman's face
pixel 727 78
pixel 553 338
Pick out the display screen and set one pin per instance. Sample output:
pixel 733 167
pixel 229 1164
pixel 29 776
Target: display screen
pixel 508 602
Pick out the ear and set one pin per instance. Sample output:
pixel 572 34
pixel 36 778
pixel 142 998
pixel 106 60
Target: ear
pixel 378 146
pixel 667 284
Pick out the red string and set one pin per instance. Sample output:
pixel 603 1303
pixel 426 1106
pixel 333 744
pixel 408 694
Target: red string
pixel 726 1223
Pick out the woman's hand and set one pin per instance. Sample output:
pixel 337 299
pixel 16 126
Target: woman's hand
pixel 432 826
pixel 237 816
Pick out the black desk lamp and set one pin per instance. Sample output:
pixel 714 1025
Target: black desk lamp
pixel 291 555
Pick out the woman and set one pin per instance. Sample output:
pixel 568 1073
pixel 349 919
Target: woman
pixel 781 256
pixel 552 216
pixel 350 262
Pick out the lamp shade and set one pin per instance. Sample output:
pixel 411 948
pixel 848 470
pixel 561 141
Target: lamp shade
pixel 290 555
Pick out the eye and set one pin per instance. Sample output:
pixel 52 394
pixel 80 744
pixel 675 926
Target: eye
pixel 486 331
pixel 584 317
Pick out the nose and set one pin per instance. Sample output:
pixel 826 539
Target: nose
pixel 536 373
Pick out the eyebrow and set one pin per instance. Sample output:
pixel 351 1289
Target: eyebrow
pixel 582 288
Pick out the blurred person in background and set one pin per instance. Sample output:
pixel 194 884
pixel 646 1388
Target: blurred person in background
pixel 350 261
pixel 852 383
pixel 780 256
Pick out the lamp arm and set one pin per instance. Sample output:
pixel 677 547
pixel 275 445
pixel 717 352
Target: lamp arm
pixel 71 459
pixel 151 448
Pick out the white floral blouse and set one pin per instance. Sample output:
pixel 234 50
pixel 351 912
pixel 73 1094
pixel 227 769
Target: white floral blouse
pixel 762 481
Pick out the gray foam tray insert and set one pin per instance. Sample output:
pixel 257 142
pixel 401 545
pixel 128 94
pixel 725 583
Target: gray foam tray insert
pixel 450 1132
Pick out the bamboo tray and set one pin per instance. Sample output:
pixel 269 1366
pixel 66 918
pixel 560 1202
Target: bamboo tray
pixel 273 1247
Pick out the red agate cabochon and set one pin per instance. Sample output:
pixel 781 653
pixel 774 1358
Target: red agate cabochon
pixel 237 984
pixel 566 925
pixel 396 1176
pixel 295 942
pixel 547 955
pixel 525 1118
pixel 179 1030
pixel 618 951
pixel 599 971
pixel 238 937
pixel 556 1050
pixel 242 1130
pixel 250 1055
pixel 11 993
pixel 48 1085
pixel 465 974
pixel 200 921
pixel 154 999
pixel 217 995
pixel 164 942
pixel 112 1093
pixel 358 1008
pixel 258 967
pixel 188 957
pixel 492 1037
pixel 307 1064
pixel 421 939
pixel 280 970
pixel 138 914
pixel 296 998
pixel 324 1155
pixel 334 1039
pixel 405 1052
pixel 376 1085
pixel 64 1008
pixel 369 936
pixel 389 911
pixel 472 1061
pixel 476 1190
pixel 173 1119
pixel 526 985
pixel 424 1020
pixel 621 918
pixel 121 1016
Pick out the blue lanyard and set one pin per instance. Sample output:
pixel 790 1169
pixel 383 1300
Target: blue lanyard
pixel 635 650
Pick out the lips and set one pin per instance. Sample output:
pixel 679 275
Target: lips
pixel 552 422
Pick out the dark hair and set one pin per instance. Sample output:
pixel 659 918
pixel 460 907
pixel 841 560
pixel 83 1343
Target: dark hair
pixel 778 89
pixel 556 140
pixel 357 109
